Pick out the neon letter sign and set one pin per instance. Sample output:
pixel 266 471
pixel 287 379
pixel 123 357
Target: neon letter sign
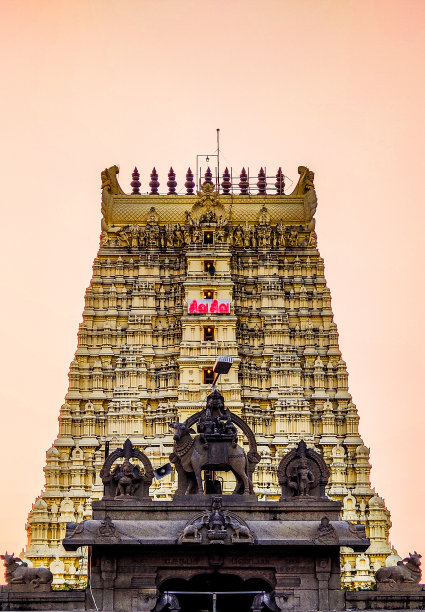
pixel 208 306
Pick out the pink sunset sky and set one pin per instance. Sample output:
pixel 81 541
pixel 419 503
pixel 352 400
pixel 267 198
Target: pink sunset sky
pixel 337 85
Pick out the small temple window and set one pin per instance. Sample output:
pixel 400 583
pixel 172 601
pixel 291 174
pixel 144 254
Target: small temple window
pixel 208 294
pixel 208 376
pixel 209 267
pixel 209 237
pixel 209 333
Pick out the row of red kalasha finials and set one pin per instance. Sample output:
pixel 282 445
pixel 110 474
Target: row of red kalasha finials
pixel 228 184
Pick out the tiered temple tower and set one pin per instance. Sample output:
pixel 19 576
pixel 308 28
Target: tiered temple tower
pixel 179 280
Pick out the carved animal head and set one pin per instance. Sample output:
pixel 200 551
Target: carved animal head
pixel 182 430
pixel 415 559
pixel 8 559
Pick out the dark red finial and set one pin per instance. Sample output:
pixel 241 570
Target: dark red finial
pixel 135 183
pixel 280 182
pixel 154 183
pixel 226 184
pixel 261 182
pixel 243 183
pixel 208 176
pixel 171 183
pixel 189 184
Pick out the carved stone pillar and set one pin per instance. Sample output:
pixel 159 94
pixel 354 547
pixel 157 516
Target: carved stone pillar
pixel 323 574
pixel 108 569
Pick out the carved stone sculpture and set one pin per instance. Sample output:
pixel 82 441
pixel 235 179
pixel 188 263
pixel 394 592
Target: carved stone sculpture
pixel 18 573
pixel 263 216
pixel 215 448
pixel 265 601
pixel 108 530
pixel 302 473
pixel 216 526
pixel 326 533
pixel 406 571
pixel 305 182
pixel 110 181
pixel 127 479
pixel 167 601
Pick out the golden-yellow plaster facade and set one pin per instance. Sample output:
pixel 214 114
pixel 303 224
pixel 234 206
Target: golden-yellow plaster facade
pixel 141 356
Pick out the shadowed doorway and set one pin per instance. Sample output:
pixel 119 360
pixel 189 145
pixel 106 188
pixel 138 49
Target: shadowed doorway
pixel 215 583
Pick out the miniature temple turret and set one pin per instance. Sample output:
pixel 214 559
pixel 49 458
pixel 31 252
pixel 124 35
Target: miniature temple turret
pixel 179 279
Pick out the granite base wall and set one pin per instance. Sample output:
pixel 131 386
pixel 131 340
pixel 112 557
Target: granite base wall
pixel 53 600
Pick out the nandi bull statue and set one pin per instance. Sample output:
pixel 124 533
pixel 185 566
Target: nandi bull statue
pixel 214 449
pixel 18 572
pixel 405 572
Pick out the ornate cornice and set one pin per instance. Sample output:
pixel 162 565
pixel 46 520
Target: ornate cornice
pixel 120 209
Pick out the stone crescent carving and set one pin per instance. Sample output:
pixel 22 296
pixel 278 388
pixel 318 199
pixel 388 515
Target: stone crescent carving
pixel 303 473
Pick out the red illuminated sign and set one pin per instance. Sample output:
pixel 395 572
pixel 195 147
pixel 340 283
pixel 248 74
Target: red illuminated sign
pixel 208 307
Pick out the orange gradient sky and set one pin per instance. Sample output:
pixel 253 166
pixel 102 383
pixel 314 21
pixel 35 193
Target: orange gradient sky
pixel 337 85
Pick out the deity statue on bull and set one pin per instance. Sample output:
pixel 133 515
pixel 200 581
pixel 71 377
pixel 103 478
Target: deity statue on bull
pixel 215 448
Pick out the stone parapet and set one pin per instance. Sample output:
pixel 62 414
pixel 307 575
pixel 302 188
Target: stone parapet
pixel 401 597
pixel 43 602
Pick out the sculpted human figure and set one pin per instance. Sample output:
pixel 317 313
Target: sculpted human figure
pixel 127 478
pixel 312 242
pixel 153 236
pixel 264 217
pixel 293 238
pixel 247 234
pixel 179 238
pixel 267 235
pixel 217 519
pixel 142 237
pixel 170 236
pixel 280 230
pixel 134 236
pixel 215 445
pixel 152 217
pixel 197 234
pixel 237 236
pixel 220 234
pixel 325 533
pixel 302 478
pixel 187 234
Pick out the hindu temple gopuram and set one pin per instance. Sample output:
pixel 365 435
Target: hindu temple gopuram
pixel 254 483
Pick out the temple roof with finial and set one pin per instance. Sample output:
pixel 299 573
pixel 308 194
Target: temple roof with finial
pixel 262 184
pixel 189 184
pixel 135 183
pixel 226 183
pixel 171 183
pixel 235 199
pixel 208 176
pixel 244 183
pixel 154 183
pixel 280 182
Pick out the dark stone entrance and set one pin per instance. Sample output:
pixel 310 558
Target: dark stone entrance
pixel 233 593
